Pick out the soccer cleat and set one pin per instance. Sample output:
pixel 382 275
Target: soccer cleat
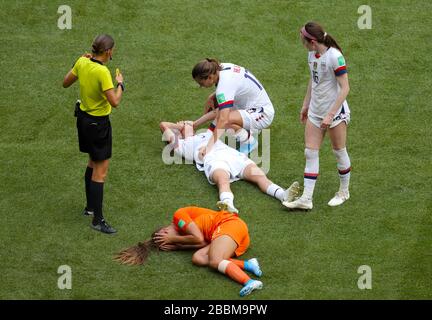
pixel 225 206
pixel 292 192
pixel 88 212
pixel 339 198
pixel 104 227
pixel 301 203
pixel 253 266
pixel 247 148
pixel 250 286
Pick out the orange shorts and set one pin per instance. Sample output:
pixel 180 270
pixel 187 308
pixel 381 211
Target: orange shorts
pixel 237 230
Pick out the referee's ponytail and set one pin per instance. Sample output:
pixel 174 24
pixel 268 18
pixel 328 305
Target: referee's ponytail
pixel 102 43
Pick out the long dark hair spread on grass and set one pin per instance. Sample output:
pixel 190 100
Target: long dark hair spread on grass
pixel 206 67
pixel 137 255
pixel 317 32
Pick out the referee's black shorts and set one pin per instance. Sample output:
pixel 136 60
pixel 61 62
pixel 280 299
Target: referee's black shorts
pixel 94 135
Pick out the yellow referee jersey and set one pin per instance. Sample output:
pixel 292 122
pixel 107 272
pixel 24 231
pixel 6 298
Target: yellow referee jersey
pixel 94 79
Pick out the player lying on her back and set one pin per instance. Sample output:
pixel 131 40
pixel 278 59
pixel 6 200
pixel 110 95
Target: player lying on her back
pixel 222 165
pixel 218 236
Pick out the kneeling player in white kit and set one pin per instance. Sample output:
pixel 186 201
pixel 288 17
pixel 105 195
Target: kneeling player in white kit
pixel 241 101
pixel 222 165
pixel 324 109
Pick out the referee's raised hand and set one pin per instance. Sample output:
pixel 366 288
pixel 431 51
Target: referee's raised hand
pixel 119 77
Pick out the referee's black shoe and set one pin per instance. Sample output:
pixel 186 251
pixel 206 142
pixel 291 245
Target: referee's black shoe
pixel 102 226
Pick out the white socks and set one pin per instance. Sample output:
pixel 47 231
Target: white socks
pixel 311 172
pixel 344 168
pixel 275 191
pixel 227 197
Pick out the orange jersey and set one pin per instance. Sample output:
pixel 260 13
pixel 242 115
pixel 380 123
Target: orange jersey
pixel 214 224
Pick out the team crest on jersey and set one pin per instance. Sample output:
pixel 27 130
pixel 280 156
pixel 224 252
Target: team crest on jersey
pixel 315 65
pixel 341 61
pixel 323 66
pixel 236 69
pixel 220 98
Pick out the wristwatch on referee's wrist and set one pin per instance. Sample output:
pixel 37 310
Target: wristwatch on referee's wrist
pixel 120 84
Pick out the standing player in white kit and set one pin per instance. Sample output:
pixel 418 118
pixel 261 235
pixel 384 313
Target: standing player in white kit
pixel 241 100
pixel 324 109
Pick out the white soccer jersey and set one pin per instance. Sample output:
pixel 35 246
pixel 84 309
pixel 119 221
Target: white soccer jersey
pixel 220 156
pixel 189 148
pixel 239 89
pixel 325 88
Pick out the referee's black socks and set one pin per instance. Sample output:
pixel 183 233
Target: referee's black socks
pixel 96 199
pixel 87 177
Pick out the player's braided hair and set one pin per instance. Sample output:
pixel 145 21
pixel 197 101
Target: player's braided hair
pixel 138 254
pixel 315 30
pixel 102 43
pixel 206 67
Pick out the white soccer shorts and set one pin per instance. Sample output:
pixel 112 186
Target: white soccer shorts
pixel 231 161
pixel 255 119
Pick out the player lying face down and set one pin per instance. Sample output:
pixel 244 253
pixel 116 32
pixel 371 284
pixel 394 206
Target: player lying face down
pixel 222 165
pixel 218 235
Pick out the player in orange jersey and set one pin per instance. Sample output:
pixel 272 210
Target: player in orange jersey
pixel 218 235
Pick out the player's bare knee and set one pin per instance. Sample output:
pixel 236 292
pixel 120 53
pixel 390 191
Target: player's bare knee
pixel 214 262
pixel 199 260
pixel 220 177
pixel 222 184
pixel 253 173
pixel 99 175
pixel 99 178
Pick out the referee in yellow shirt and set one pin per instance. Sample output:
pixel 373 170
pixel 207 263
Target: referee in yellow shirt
pixel 94 128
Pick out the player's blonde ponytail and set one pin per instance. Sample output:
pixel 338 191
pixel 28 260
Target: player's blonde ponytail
pixel 138 254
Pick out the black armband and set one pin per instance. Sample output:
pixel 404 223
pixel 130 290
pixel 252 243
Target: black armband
pixel 121 84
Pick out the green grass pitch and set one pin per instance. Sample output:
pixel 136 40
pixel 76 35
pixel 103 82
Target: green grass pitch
pixel 386 224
